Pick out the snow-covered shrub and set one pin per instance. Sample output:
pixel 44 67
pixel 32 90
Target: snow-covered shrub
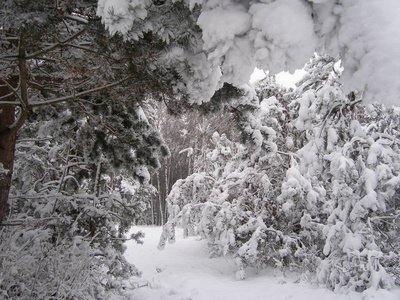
pixel 364 182
pixel 63 242
pixel 187 196
pixel 40 263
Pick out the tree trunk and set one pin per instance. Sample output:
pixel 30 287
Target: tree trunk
pixel 158 210
pixel 7 147
pixel 9 125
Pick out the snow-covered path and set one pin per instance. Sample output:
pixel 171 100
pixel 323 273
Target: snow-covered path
pixel 184 271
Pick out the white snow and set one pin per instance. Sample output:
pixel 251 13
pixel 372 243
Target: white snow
pixel 365 34
pixel 143 172
pixel 222 25
pixel 184 271
pixel 126 12
pixel 283 35
pixel 257 75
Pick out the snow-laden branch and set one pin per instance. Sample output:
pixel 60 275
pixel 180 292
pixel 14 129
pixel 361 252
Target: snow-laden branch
pixel 77 18
pixel 26 221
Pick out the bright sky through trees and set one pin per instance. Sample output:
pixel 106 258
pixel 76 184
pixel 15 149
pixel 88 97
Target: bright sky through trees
pixel 285 78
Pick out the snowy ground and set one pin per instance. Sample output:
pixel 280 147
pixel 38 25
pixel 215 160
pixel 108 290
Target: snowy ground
pixel 183 271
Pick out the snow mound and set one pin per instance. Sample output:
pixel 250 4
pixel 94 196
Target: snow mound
pixel 185 271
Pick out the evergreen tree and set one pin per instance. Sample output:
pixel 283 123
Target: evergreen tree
pixel 75 97
pixel 57 52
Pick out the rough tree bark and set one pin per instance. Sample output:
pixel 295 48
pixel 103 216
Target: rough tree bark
pixel 11 121
pixel 7 146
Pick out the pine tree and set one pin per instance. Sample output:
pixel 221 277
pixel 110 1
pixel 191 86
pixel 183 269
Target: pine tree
pixel 57 52
pixel 74 97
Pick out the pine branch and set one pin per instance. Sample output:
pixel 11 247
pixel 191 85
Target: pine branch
pixel 55 46
pixel 14 92
pixel 80 47
pixel 8 103
pixel 43 89
pixel 77 95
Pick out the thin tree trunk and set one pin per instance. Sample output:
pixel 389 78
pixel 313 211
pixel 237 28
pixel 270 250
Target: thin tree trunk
pixel 153 220
pixel 158 207
pixel 161 214
pixel 166 191
pixel 7 147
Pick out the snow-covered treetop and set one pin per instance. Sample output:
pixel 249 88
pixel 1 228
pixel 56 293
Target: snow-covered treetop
pixel 225 40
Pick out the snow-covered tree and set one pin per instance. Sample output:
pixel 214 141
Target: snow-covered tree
pixel 334 160
pixel 313 188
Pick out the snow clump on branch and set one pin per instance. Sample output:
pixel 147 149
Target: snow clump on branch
pixel 237 36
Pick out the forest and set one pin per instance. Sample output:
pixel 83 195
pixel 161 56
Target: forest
pixel 116 113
